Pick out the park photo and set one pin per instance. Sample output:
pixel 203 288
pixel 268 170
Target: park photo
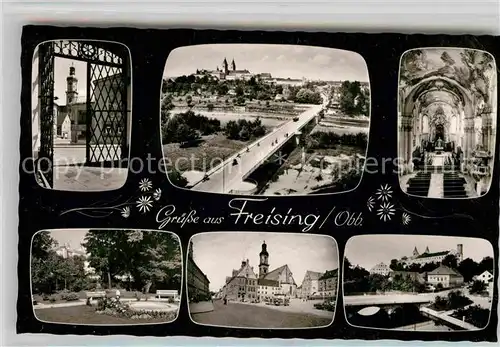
pixel 418 283
pixel 258 119
pixel 262 280
pixel 81 114
pixel 447 122
pixel 106 277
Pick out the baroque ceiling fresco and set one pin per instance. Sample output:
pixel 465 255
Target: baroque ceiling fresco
pixel 472 69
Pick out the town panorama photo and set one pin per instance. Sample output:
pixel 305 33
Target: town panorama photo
pixel 265 119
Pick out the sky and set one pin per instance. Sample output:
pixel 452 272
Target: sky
pixel 217 254
pixel 283 61
pixel 72 236
pixel 61 71
pixel 369 250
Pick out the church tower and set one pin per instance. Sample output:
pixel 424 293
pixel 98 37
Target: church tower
pixel 225 66
pixel 233 65
pixel 71 87
pixel 415 252
pixel 264 261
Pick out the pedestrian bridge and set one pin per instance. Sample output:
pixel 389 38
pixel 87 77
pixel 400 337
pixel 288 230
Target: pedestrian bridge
pixel 228 178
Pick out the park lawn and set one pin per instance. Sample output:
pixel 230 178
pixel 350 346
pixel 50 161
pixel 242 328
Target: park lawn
pixel 209 153
pixel 86 315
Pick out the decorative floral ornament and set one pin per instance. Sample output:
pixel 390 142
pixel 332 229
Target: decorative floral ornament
pixel 126 212
pixel 144 204
pixel 157 194
pixel 405 218
pixel 370 203
pixel 384 193
pixel 386 211
pixel 145 184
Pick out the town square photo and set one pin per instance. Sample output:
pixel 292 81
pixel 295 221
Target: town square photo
pixel 81 114
pixel 106 277
pixel 418 283
pixel 260 119
pixel 262 280
pixel 447 122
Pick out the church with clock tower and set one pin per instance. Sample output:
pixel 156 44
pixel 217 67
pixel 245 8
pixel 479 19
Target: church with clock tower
pixel 245 285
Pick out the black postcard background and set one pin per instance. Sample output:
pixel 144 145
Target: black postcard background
pixel 41 209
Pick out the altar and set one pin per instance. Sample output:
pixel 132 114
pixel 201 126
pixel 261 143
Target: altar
pixel 438 159
pixel 439 147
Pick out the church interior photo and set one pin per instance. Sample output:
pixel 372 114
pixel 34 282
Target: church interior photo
pixel 447 122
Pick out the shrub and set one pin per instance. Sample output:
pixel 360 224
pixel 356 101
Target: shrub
pixel 110 307
pixel 474 315
pixel 70 297
pixel 477 287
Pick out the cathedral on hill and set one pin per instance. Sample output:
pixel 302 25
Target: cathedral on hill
pixel 245 285
pixel 228 72
pixel 433 257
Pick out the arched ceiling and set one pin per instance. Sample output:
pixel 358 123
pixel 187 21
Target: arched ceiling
pixel 434 96
pixel 439 86
pixel 434 108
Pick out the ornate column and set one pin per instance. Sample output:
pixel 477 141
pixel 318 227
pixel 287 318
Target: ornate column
pixel 405 139
pixel 487 129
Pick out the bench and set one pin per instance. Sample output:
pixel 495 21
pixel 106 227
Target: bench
pixel 168 293
pixel 95 295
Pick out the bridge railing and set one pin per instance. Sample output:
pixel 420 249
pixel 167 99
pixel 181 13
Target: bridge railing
pixel 235 155
pixel 273 150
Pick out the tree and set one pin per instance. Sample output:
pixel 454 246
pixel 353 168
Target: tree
pixel 166 103
pixel 42 244
pixel 189 100
pixel 451 261
pixel 239 91
pixel 222 89
pixel 156 255
pixel 244 133
pixel 105 253
pixel 148 256
pixel 395 265
pixel 186 134
pixel 43 273
pixel 352 98
pixel 307 96
pixel 477 287
pixel 177 179
pixel 486 264
pixel 468 268
pixel 232 130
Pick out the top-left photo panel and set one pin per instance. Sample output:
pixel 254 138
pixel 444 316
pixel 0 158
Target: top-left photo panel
pixel 81 114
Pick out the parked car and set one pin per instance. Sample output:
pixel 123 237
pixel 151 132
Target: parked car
pixel 281 299
pixel 295 119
